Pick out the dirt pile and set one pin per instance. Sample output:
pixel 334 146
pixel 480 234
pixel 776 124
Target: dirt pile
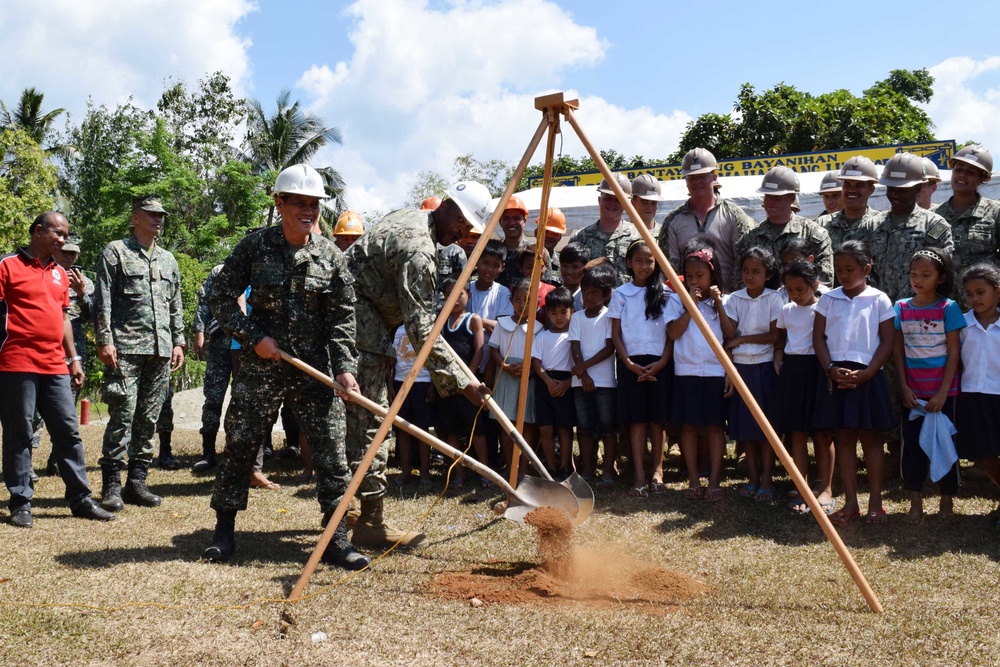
pixel 569 575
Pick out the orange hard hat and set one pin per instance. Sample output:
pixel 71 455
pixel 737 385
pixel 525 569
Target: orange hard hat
pixel 515 204
pixel 430 204
pixel 349 224
pixel 556 222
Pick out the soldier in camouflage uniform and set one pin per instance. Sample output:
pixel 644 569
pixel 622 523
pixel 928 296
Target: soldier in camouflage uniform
pixel 974 219
pixel 218 370
pixel 302 302
pixel 394 267
pixel 512 222
pixel 140 339
pixel 779 187
pixel 894 235
pixel 857 179
pixel 610 236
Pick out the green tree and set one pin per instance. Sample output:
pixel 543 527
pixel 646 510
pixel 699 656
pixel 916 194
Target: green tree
pixel 27 183
pixel 429 184
pixel 28 116
pixel 565 164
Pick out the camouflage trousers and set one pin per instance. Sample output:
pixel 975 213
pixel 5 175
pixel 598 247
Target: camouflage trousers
pixel 258 390
pixel 373 369
pixel 218 370
pixel 165 422
pixel 134 392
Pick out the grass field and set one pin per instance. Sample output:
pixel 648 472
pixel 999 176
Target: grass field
pixel 133 591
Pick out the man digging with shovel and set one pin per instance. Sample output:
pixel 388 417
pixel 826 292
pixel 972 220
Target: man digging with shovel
pixel 303 302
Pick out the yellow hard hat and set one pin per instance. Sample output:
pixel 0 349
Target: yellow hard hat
pixel 349 224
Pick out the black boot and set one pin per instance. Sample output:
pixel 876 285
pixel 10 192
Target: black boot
pixel 341 552
pixel 167 460
pixel 207 461
pixel 224 541
pixel 135 491
pixel 111 487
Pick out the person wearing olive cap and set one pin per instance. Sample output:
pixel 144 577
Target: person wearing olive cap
pixel 779 187
pixel 140 339
pixel 932 177
pixel 707 214
pixel 610 236
pixel 394 266
pixel 974 219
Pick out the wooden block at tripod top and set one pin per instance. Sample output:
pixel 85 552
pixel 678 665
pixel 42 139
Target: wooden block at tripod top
pixel 556 102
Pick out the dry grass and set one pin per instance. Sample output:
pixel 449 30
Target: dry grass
pixel 780 595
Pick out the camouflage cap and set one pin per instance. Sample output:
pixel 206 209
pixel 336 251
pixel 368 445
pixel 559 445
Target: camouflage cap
pixel 151 203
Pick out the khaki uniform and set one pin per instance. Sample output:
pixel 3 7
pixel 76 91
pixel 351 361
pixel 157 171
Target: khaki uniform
pixel 724 225
pixel 772 237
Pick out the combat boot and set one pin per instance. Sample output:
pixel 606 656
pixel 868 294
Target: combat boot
pixel 135 491
pixel 111 487
pixel 207 461
pixel 341 552
pixel 372 531
pixel 167 461
pixel 224 541
pixel 353 512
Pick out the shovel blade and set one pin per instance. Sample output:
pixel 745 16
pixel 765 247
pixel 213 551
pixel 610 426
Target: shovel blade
pixel 584 497
pixel 534 492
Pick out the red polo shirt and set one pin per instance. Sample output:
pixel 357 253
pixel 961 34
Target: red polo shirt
pixel 33 297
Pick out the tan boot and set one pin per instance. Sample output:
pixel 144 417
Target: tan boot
pixel 372 531
pixel 353 512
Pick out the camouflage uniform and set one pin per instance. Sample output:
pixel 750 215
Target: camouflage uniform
pixel 218 358
pixel 302 298
pixel 841 229
pixel 976 232
pixel 81 309
pixel 450 259
pixel 138 307
pixel 892 244
pixel 725 225
pixel 393 265
pixel 772 237
pixel 613 246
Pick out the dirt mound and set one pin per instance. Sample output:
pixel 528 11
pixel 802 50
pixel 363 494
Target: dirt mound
pixel 568 575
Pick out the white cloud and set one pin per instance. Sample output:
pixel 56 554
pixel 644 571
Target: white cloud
pixel 424 86
pixel 109 50
pixel 962 108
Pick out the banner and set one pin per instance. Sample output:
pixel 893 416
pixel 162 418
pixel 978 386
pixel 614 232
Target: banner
pixel 938 151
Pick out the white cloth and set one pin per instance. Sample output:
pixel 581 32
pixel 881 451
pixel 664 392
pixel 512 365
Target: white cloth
pixel 553 350
pixel 797 321
pixel 937 439
pixel 980 356
pixel 753 315
pixel 692 353
pixel 640 335
pixel 593 333
pixel 852 324
pixel 405 356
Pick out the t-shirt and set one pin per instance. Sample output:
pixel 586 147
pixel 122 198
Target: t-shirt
pixel 797 321
pixel 34 295
pixel 509 338
pixel 980 356
pixel 925 343
pixel 692 353
pixel 593 333
pixel 553 350
pixel 405 356
pixel 753 315
pixel 492 303
pixel 639 334
pixel 852 323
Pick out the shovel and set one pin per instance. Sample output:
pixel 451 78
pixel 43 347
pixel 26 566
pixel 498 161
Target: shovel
pixel 584 494
pixel 530 495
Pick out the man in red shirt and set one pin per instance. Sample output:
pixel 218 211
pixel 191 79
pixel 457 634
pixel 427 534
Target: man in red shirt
pixel 39 367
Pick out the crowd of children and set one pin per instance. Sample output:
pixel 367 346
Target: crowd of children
pixel 628 361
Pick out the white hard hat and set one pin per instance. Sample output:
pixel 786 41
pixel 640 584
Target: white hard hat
pixel 300 179
pixel 474 201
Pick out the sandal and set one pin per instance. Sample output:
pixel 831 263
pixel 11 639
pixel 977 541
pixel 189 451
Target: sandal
pixel 798 507
pixel 827 507
pixel 747 490
pixel 715 494
pixel 657 488
pixel 695 493
pixel 638 492
pixel 843 518
pixel 876 517
pixel 765 496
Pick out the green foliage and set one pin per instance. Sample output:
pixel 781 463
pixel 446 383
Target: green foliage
pixel 429 184
pixel 565 164
pixel 783 119
pixel 28 116
pixel 27 183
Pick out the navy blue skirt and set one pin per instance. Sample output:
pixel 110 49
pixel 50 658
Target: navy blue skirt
pixel 698 401
pixel 644 402
pixel 977 418
pixel 866 408
pixel 759 379
pixel 797 392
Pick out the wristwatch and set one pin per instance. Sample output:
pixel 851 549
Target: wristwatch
pixel 69 362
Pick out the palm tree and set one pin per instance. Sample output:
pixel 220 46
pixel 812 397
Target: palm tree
pixel 290 136
pixel 28 115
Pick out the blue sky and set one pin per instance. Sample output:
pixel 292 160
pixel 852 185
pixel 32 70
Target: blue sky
pixel 414 84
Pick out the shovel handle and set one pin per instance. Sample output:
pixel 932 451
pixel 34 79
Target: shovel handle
pixel 505 422
pixel 415 431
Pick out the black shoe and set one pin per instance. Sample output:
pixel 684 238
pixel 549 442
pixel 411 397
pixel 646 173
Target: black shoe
pixel 268 453
pixel 204 465
pixel 111 488
pixel 289 452
pixel 169 463
pixel 89 509
pixel 22 518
